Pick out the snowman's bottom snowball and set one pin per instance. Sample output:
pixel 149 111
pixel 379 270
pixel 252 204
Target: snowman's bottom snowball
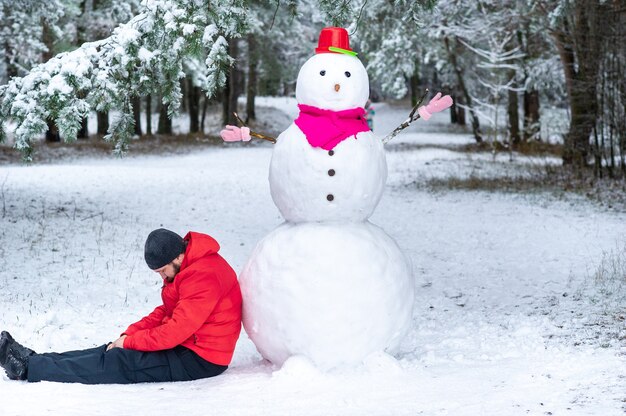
pixel 333 293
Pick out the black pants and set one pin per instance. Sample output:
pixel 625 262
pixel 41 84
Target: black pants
pixel 120 366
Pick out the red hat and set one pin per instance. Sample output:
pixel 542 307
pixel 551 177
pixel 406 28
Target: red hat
pixel 334 40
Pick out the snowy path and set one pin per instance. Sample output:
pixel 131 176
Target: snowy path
pixel 497 325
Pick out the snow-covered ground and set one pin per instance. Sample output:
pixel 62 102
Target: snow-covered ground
pixel 507 320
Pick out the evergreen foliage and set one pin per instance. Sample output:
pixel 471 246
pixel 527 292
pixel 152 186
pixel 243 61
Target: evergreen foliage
pixel 141 57
pixel 25 27
pixel 485 53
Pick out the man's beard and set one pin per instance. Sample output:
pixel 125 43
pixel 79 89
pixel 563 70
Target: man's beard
pixel 176 270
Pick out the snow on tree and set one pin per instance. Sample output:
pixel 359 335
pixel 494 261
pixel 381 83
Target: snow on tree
pixel 498 60
pixel 277 44
pixel 392 39
pixel 286 35
pixel 142 56
pixel 388 35
pixel 100 17
pixel 451 22
pixel 586 34
pixel 496 50
pixel 28 27
pixel 145 56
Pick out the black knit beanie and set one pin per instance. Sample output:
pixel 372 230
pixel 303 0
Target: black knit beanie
pixel 162 246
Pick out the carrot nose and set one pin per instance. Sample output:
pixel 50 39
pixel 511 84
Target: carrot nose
pixel 337 86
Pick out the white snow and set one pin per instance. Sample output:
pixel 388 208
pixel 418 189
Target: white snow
pixel 300 182
pixel 145 55
pixel 58 84
pixel 501 325
pixel 332 293
pixel 188 29
pixel 125 34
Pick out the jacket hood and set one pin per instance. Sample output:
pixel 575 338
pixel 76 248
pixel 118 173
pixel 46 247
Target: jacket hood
pixel 198 245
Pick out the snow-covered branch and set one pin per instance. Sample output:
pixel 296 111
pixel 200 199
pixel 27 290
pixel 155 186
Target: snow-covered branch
pixel 141 57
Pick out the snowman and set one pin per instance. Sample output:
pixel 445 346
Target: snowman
pixel 327 284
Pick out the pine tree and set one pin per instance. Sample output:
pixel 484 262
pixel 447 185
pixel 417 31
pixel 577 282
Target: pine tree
pixel 389 37
pixel 23 24
pixel 142 56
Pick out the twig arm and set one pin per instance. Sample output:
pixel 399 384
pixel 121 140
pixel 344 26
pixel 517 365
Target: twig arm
pixel 406 123
pixel 419 102
pixel 254 134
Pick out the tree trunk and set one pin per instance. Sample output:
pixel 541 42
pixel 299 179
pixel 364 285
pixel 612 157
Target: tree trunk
pixel 11 69
pixel 52 134
pixel 253 58
pixel 136 102
pixel 236 78
pixel 193 94
pixel 460 111
pixel 454 119
pixel 226 114
pixel 205 103
pixel 165 123
pixel 183 90
pixel 83 133
pixel 414 81
pixel 460 115
pixel 583 113
pixel 532 124
pixel 468 98
pixel 233 89
pixel 578 42
pixel 149 115
pixel 86 6
pixel 513 115
pixel 103 122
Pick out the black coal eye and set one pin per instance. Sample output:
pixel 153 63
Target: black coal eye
pixel 348 74
pixel 322 72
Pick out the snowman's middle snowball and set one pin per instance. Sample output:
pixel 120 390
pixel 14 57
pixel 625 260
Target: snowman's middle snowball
pixel 312 184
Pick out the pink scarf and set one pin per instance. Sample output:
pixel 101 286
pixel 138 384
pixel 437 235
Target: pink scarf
pixel 327 128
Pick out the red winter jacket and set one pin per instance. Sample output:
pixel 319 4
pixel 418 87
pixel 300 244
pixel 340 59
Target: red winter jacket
pixel 201 308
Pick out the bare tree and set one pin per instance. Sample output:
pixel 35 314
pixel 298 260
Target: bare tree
pixel 469 102
pixel 577 36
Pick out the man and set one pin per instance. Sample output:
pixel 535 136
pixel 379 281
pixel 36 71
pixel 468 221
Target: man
pixel 192 335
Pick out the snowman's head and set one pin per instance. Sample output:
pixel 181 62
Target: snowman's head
pixel 333 81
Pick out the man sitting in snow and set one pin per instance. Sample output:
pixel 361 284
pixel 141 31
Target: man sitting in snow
pixel 192 335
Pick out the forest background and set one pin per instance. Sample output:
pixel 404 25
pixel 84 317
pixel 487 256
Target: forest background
pixel 526 75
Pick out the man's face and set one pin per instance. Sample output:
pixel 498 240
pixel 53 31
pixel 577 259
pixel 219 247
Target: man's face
pixel 170 270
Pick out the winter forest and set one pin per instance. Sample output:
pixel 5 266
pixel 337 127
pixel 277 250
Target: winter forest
pixel 509 206
pixel 522 73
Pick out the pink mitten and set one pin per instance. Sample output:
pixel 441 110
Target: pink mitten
pixel 235 134
pixel 437 104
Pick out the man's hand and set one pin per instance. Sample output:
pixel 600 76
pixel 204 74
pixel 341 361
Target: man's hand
pixel 118 343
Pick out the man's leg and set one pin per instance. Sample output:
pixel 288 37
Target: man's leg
pixel 197 367
pixel 98 366
pixel 70 354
